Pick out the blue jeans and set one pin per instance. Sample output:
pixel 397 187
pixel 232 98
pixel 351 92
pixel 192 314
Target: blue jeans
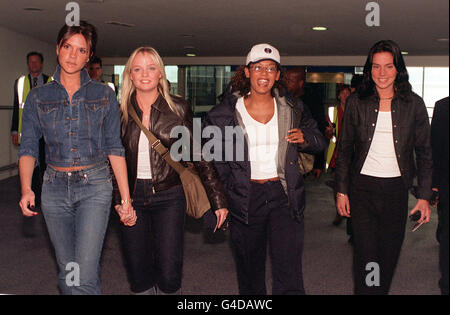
pixel 76 207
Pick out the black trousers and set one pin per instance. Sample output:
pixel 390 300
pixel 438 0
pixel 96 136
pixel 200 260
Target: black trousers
pixel 379 210
pixel 444 236
pixel 153 247
pixel 269 218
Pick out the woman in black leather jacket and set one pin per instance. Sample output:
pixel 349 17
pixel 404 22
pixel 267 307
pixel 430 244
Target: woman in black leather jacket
pixel 384 124
pixel 153 246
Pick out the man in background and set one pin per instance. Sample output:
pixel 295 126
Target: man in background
pixel 296 79
pixel 439 145
pixel 22 87
pixel 95 70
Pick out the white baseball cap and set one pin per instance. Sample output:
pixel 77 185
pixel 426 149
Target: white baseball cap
pixel 263 52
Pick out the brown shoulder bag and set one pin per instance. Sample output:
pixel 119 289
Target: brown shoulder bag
pixel 197 202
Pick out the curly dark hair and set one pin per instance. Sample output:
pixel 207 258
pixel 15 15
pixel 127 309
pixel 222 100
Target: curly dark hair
pixel 241 83
pixel 402 86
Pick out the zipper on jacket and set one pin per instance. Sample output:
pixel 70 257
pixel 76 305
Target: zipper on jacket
pixel 149 152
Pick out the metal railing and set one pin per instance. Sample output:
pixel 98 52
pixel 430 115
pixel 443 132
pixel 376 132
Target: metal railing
pixel 9 167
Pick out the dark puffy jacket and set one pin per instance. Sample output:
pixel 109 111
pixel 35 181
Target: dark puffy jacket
pixel 235 174
pixel 162 121
pixel 411 132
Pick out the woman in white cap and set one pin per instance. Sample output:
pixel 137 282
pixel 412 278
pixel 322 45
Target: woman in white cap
pixel 263 182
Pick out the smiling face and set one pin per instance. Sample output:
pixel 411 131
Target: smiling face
pixel 383 72
pixel 145 73
pixel 73 54
pixel 262 76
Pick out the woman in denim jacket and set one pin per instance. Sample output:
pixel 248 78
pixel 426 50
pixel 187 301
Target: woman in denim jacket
pixel 80 122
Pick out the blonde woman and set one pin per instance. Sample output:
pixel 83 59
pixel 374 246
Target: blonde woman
pixel 153 247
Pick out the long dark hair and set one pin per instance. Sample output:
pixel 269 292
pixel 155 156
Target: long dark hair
pixel 87 30
pixel 402 87
pixel 241 83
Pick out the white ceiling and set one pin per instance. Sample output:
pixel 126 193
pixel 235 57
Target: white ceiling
pixel 231 27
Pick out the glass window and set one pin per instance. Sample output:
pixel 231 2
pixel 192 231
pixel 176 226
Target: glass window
pixel 359 70
pixel 204 84
pixel 172 77
pixel 435 86
pixel 118 70
pixel 416 79
pixel 430 83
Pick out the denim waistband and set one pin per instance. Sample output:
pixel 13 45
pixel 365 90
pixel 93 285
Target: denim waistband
pixel 79 173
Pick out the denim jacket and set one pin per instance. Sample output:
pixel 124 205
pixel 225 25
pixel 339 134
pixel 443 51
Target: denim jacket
pixel 80 132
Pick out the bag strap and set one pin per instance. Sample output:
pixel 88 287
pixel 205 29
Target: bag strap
pixel 156 143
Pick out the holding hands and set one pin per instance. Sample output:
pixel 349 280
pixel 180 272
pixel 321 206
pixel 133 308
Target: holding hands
pixel 126 213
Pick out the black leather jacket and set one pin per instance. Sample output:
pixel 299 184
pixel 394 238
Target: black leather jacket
pixel 411 132
pixel 162 120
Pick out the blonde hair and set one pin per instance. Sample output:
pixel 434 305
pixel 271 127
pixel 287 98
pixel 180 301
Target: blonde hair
pixel 128 87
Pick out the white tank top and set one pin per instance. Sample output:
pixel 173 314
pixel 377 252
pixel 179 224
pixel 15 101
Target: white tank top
pixel 381 160
pixel 262 143
pixel 143 164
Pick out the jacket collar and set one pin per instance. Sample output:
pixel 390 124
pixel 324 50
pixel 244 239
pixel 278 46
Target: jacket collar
pixel 84 76
pixel 160 104
pixel 281 100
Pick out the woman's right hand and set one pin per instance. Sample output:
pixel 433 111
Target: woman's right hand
pixel 221 215
pixel 343 205
pixel 26 204
pixel 126 213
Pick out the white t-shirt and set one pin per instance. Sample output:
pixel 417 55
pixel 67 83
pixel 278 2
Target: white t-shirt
pixel 381 161
pixel 143 164
pixel 262 143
